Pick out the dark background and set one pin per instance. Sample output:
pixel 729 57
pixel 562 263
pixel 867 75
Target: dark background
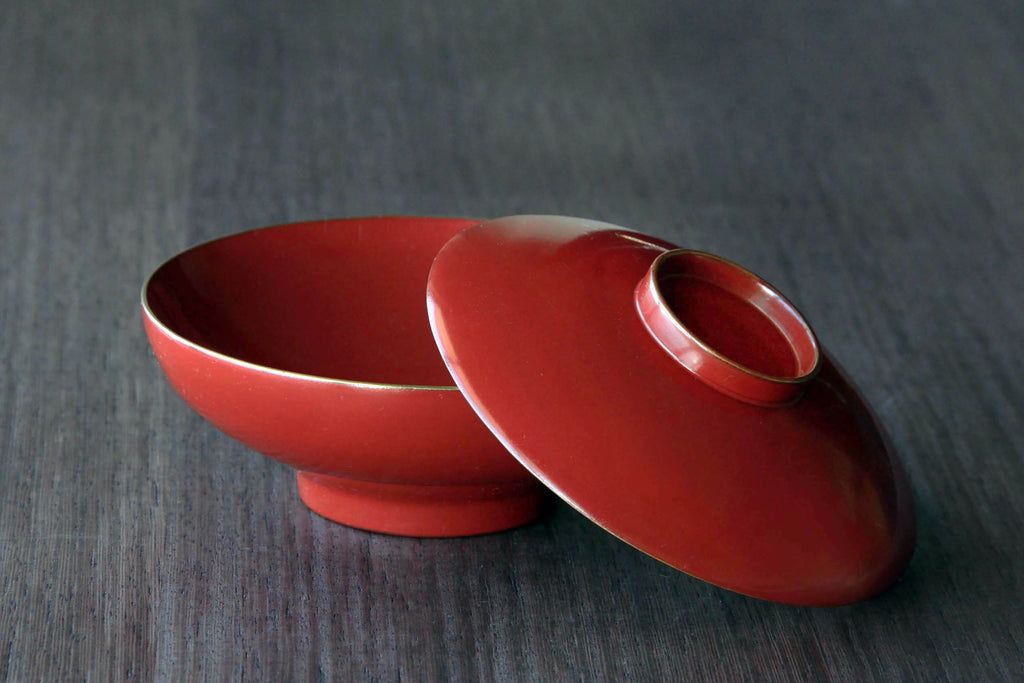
pixel 866 157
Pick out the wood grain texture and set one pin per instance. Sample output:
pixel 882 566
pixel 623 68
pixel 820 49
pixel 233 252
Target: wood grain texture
pixel 868 158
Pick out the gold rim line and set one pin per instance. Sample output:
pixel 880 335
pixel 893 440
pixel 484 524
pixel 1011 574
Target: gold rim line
pixel 793 309
pixel 277 371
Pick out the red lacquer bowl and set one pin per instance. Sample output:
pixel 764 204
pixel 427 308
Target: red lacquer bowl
pixel 310 343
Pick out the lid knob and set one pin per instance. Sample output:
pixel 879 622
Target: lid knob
pixel 728 327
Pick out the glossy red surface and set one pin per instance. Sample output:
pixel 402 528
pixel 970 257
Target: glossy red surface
pixel 728 327
pixel 310 344
pixel 538 320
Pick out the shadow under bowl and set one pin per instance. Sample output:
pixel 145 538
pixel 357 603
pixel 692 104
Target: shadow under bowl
pixel 310 343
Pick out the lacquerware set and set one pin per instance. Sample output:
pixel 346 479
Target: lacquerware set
pixel 441 376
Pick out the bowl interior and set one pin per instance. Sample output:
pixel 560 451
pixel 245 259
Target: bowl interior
pixel 342 299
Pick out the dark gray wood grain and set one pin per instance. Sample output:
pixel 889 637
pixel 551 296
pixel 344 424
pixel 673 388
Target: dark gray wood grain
pixel 867 157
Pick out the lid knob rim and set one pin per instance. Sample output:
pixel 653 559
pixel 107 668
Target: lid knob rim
pixel 780 325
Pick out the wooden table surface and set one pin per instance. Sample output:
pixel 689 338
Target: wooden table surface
pixel 868 158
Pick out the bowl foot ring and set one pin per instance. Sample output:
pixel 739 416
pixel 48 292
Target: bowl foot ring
pixel 425 511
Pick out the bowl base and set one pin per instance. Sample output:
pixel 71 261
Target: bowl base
pixel 426 511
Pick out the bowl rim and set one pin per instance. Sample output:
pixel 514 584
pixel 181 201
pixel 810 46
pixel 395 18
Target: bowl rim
pixel 289 374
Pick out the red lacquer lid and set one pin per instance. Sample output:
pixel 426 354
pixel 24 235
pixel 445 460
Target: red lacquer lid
pixel 678 401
